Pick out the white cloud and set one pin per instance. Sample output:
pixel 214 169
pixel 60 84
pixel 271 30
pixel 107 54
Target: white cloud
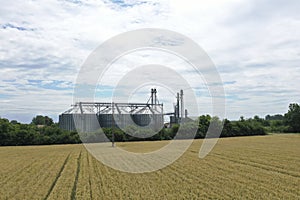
pixel 254 44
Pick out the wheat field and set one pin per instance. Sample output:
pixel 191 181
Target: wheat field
pixel 260 167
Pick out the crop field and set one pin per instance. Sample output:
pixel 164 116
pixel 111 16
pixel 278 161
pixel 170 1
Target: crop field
pixel 257 167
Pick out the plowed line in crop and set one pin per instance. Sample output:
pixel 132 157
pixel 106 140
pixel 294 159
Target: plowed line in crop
pixel 73 194
pixel 98 175
pixel 90 182
pixel 57 177
pixel 269 155
pixel 258 165
pixel 13 174
pixel 184 176
pixel 263 182
pixel 251 188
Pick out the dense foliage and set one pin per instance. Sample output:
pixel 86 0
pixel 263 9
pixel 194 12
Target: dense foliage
pixel 292 118
pixel 14 133
pixel 42 120
pixel 42 130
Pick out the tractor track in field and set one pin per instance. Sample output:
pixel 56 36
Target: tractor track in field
pixel 57 177
pixel 179 172
pixel 90 182
pixel 264 167
pixel 259 165
pixel 271 155
pixel 220 167
pixel 13 175
pixel 100 176
pixel 73 193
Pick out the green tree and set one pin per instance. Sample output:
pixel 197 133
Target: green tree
pixel 42 120
pixel 215 127
pixel 227 128
pixel 204 121
pixel 275 117
pixel 292 117
pixel 242 119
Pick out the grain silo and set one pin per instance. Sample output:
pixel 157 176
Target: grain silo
pixel 87 116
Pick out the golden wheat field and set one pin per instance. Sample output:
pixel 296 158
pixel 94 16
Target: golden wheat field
pixel 262 167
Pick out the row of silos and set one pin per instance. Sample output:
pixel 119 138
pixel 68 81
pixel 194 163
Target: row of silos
pixel 90 116
pixel 92 122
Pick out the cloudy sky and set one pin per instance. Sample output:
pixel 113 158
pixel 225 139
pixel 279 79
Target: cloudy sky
pixel 254 44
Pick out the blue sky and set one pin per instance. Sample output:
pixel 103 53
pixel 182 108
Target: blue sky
pixel 254 44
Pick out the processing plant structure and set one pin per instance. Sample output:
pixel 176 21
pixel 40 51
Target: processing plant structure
pixel 87 116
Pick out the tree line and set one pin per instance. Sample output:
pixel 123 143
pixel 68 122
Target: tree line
pixel 42 130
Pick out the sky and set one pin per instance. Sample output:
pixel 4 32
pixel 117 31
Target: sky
pixel 254 44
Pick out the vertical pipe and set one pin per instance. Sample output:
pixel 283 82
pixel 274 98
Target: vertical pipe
pixel 155 97
pixel 151 97
pixel 175 112
pixel 181 105
pixel 177 107
pixel 80 107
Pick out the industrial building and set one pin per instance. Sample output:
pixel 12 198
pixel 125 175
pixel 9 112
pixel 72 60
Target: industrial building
pixel 87 116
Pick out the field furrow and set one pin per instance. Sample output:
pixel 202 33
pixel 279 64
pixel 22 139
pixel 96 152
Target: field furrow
pixel 83 188
pixel 73 194
pixel 57 177
pixel 65 182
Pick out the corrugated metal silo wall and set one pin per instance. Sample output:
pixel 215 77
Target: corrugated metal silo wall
pixel 105 120
pixel 158 121
pixel 122 120
pixel 86 122
pixel 66 122
pixel 141 119
pixel 90 122
pixel 79 122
